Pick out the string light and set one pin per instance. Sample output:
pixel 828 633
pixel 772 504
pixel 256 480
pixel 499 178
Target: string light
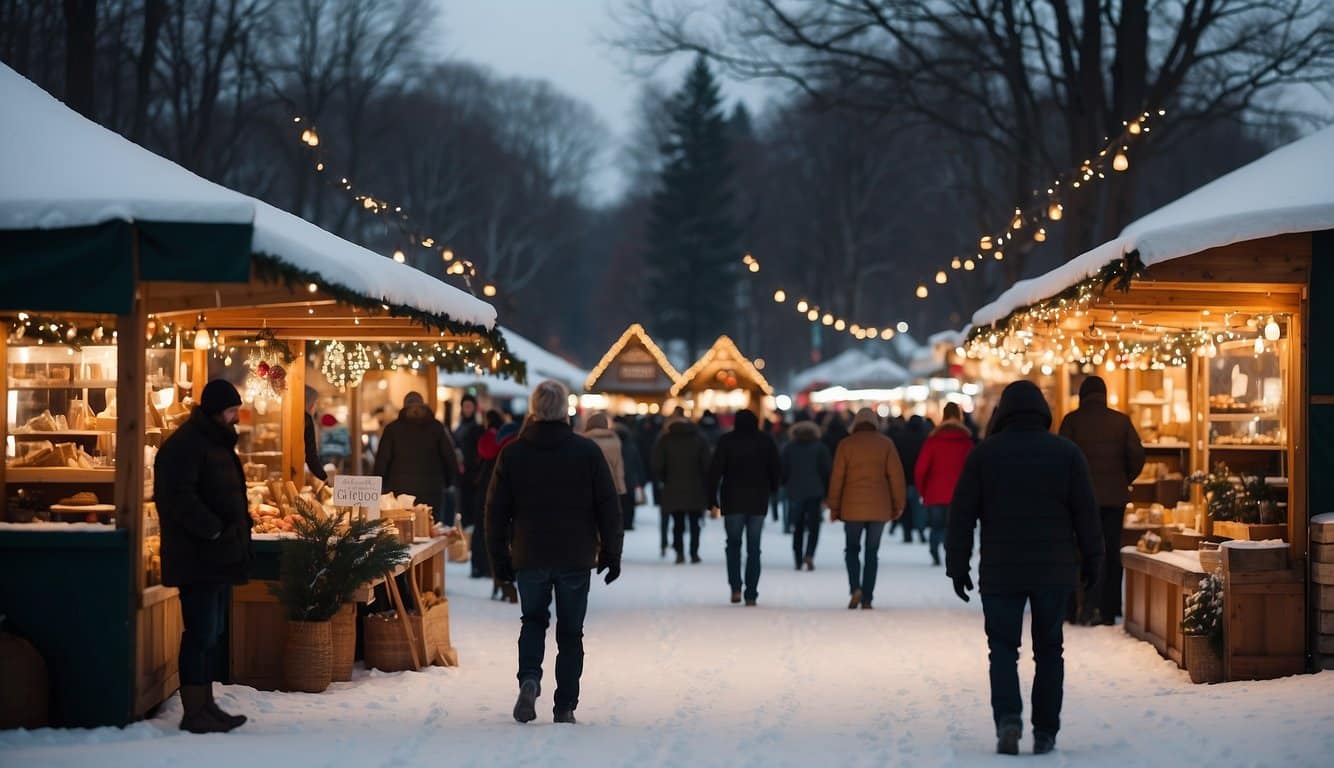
pixel 941 277
pixel 921 292
pixel 780 296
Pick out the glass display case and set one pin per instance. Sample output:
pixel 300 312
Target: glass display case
pixel 60 443
pixel 1246 410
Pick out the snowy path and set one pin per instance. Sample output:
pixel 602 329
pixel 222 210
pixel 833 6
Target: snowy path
pixel 677 676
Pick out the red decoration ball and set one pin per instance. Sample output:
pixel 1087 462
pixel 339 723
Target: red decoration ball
pixel 262 370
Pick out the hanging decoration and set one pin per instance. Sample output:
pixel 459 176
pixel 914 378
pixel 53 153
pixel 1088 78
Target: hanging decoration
pixel 345 365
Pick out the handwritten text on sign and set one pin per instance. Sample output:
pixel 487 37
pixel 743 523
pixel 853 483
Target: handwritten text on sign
pixel 357 491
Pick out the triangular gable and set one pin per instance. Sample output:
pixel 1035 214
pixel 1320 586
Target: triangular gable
pixel 721 359
pixel 633 365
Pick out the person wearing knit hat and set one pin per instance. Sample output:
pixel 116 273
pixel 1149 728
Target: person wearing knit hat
pixel 416 456
pixel 200 492
pixel 1115 456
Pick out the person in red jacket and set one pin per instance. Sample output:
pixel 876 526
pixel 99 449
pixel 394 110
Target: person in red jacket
pixel 937 471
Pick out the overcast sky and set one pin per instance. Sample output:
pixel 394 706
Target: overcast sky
pixel 563 41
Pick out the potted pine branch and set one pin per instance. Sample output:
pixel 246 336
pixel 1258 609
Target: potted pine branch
pixel 1202 627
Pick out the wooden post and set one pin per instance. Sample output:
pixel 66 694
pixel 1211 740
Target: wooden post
pixel 131 383
pixel 198 371
pixel 354 430
pixel 294 417
pixel 4 413
pixel 432 387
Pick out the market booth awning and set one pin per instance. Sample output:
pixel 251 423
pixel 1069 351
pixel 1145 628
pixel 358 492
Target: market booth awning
pixel 723 367
pixel 634 366
pixel 1204 317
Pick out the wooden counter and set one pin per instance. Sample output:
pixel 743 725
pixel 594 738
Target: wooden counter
pixel 258 628
pixel 1156 590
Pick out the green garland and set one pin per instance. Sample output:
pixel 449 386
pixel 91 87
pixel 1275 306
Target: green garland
pixel 273 270
pixel 1119 274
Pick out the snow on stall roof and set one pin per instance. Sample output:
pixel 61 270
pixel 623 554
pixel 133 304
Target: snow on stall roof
pixel 1288 190
pixel 831 370
pixel 540 363
pixel 298 243
pixel 877 374
pixel 60 169
pixel 1325 518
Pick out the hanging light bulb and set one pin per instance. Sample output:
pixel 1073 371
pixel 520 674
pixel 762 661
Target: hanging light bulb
pixel 754 266
pixel 399 257
pixel 828 319
pixel 202 340
pixel 1000 255
pixel 941 277
pixel 903 326
pixel 813 315
pixel 985 243
pixel 780 296
pixel 802 306
pixel 1055 211
pixel 956 263
pixel 887 334
pixel 969 266
pixel 1272 331
pixel 1120 162
pixel 488 290
pixel 921 292
pixel 839 324
pixel 1018 222
pixel 1134 128
pixel 1041 235
pixel 1259 345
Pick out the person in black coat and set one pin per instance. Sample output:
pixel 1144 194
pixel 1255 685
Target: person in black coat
pixel 744 472
pixel 1115 456
pixel 1032 493
pixel 681 468
pixel 909 441
pixel 552 514
pixel 417 457
pixel 635 473
pixel 806 464
pixel 466 436
pixel 200 493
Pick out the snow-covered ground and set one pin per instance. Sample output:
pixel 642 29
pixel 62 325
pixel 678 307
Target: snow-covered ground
pixel 677 676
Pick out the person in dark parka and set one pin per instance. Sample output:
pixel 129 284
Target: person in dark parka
pixel 1115 456
pixel 744 472
pixel 465 438
pixel 635 474
pixel 806 465
pixel 200 493
pixel 681 467
pixel 488 448
pixel 909 442
pixel 416 456
pixel 1033 496
pixel 552 514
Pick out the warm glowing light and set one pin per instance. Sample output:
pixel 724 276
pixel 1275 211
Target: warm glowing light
pixel 202 341
pixel 1134 128
pixel 447 255
pixel 399 257
pixel 1055 211
pixel 813 315
pixel 921 292
pixel 1272 331
pixel 956 263
pixel 985 243
pixel 1120 162
pixel 1041 235
pixel 754 266
pixel 312 287
pixel 887 334
pixel 969 266
pixel 802 306
pixel 902 326
pixel 488 290
pixel 828 319
pixel 839 324
pixel 780 296
pixel 941 277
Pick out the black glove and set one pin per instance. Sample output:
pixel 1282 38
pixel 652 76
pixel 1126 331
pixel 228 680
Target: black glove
pixel 1089 574
pixel 613 569
pixel 962 586
pixel 503 572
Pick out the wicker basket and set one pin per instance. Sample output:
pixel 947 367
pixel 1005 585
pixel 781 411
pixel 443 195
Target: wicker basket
pixel 1204 664
pixel 308 657
pixel 387 649
pixel 457 548
pixel 343 634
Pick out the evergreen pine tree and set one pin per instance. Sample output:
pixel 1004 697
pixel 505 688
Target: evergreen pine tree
pixel 692 253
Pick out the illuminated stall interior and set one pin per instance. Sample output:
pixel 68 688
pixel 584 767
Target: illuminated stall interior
pixel 723 381
pixel 634 376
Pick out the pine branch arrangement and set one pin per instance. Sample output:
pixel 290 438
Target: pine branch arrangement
pixel 321 568
pixel 1204 611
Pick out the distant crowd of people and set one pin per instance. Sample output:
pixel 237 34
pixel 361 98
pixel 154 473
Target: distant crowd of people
pixel 548 504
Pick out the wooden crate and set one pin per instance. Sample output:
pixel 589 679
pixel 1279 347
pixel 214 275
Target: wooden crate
pixel 158 646
pixel 1326 622
pixel 1265 624
pixel 1249 531
pixel 258 635
pixel 1322 553
pixel 1324 597
pixel 1323 573
pixel 1244 560
pixel 1322 533
pixel 1156 592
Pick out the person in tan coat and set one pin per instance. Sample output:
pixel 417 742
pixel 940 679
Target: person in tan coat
pixel 598 429
pixel 866 491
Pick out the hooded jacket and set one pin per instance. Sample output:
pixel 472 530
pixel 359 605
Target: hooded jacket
pixel 806 463
pixel 416 456
pixel 1109 441
pixel 867 484
pixel 610 445
pixel 681 463
pixel 745 469
pixel 941 461
pixel 1031 492
pixel 552 502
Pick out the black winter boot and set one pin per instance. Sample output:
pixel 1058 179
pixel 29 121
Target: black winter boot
pixel 197 719
pixel 525 709
pixel 229 720
pixel 566 716
pixel 1007 741
pixel 1043 743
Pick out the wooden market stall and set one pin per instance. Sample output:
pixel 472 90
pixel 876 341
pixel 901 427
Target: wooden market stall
pixel 633 376
pixel 127 274
pixel 723 380
pixel 1199 317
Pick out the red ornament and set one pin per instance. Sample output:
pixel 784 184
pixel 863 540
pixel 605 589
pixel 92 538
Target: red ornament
pixel 262 370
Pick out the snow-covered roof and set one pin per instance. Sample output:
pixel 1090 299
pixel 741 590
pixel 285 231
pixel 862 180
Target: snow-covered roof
pixel 830 371
pixel 931 358
pixel 904 345
pixel 540 365
pixel 1288 190
pixel 877 374
pixel 61 170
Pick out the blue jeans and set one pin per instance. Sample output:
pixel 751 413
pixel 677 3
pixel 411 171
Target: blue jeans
pixel 750 526
pixel 860 577
pixel 1005 623
pixel 937 519
pixel 203 613
pixel 570 586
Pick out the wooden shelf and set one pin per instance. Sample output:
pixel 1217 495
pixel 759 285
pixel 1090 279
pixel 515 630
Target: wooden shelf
pixel 60 475
pixel 1167 446
pixel 1225 447
pixel 60 433
pixel 100 384
pixel 1245 417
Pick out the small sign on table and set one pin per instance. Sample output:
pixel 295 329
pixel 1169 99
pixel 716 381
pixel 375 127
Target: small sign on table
pixel 358 491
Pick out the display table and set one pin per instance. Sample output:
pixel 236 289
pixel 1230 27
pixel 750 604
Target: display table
pixel 1156 590
pixel 258 627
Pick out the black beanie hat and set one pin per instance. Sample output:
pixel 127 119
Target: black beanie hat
pixel 219 395
pixel 1093 385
